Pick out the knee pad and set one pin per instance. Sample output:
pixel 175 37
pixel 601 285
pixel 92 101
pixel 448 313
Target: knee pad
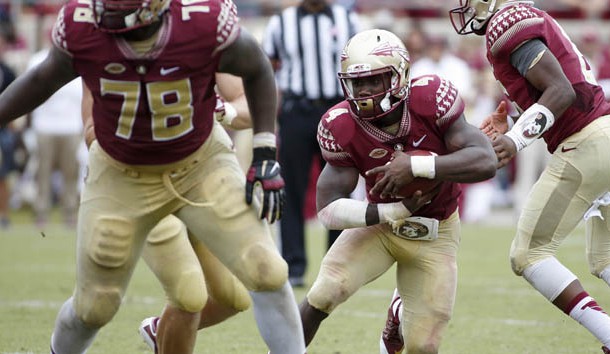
pixel 231 294
pixel 328 292
pixel 263 269
pixel 222 285
pixel 111 242
pixel 189 293
pixel 97 306
pixel 521 258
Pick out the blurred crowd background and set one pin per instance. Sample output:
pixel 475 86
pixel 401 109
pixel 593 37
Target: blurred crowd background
pixel 424 26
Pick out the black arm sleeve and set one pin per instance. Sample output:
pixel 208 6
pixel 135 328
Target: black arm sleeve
pixel 523 57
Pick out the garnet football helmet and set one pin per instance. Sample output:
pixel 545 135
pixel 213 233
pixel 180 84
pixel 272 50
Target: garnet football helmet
pixel 472 15
pixel 118 16
pixel 375 56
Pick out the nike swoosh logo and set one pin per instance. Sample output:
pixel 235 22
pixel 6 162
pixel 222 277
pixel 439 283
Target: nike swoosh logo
pixel 564 149
pixel 166 71
pixel 416 143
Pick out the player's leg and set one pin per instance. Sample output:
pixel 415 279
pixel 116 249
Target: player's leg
pixel 227 296
pixel 598 244
pixel 558 201
pixel 427 283
pixel 391 340
pixel 111 235
pixel 357 257
pixel 232 231
pixel 170 256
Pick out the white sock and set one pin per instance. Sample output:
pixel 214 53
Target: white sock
pixel 70 335
pixel 591 316
pixel 549 277
pixel 278 320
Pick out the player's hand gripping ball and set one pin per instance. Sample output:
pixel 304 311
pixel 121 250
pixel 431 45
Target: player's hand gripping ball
pixel 419 183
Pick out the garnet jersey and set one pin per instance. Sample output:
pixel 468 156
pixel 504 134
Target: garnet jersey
pixel 433 105
pixel 157 107
pixel 519 22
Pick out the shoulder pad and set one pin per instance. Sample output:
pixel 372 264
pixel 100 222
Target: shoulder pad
pixel 334 128
pixel 435 98
pixel 512 26
pixel 73 21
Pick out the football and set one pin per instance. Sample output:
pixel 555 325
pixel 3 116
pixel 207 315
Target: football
pixel 418 184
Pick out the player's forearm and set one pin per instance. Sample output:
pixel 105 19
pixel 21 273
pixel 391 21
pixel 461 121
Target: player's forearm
pixel 346 213
pixel 262 101
pixel 557 99
pixel 468 165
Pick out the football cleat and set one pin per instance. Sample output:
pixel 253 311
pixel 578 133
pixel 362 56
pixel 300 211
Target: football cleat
pixel 148 331
pixel 391 341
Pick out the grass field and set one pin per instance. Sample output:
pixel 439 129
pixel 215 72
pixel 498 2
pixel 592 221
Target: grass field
pixel 496 312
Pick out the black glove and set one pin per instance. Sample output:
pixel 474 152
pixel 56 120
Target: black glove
pixel 264 178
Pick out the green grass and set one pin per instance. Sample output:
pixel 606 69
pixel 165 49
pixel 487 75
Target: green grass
pixel 495 313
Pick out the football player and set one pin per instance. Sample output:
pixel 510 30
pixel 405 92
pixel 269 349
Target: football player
pixel 552 85
pixel 383 117
pixel 150 66
pixel 168 251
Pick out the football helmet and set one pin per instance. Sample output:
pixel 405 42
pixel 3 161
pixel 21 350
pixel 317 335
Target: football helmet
pixel 472 15
pixel 379 57
pixel 118 16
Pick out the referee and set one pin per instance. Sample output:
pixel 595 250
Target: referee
pixel 304 44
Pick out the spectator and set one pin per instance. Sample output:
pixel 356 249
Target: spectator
pixel 304 44
pixel 58 127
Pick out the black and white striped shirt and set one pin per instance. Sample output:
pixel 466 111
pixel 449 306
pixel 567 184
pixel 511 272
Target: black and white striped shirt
pixel 309 47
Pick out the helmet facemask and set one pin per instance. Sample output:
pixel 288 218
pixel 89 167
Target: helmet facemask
pixel 119 16
pixel 374 74
pixel 370 92
pixel 472 16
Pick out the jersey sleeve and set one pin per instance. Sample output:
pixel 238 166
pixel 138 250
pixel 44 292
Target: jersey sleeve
pixel 228 24
pixel 508 29
pixel 330 135
pixel 59 32
pixel 436 99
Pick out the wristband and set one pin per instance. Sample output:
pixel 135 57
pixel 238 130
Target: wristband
pixel 263 139
pixel 531 125
pixel 423 166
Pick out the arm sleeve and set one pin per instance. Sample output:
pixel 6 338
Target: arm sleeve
pixel 527 55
